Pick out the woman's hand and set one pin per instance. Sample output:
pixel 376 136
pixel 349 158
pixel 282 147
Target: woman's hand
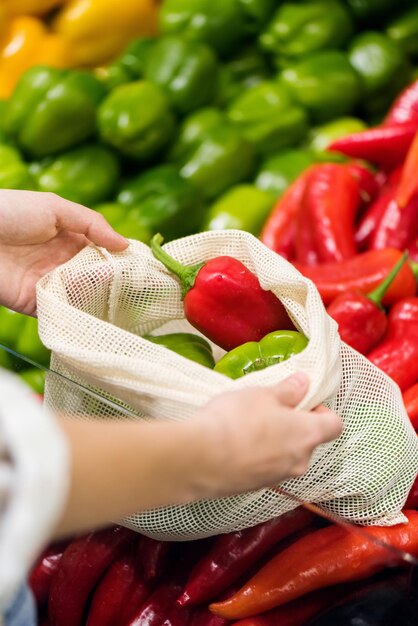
pixel 38 232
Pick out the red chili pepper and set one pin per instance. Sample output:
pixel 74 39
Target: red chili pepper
pixel 328 556
pixel 161 601
pixel 203 617
pixel 410 400
pixel 120 594
pixel 412 500
pixel 298 612
pixel 153 556
pixel 305 247
pixel 405 107
pixel 412 250
pixel 331 198
pixel 386 146
pixel 397 226
pixel 81 566
pixel 224 300
pixel 178 616
pixel 369 184
pixel 278 230
pixel 362 322
pixel 368 224
pixel 408 186
pixel 231 555
pixel 43 571
pixel 397 354
pixel 363 272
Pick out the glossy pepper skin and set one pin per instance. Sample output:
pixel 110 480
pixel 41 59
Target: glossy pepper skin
pixel 41 575
pixel 120 593
pixel 129 66
pixel 324 83
pixel 325 557
pixel 243 207
pixel 363 272
pixel 397 227
pixel 233 554
pixel 222 158
pixel 320 137
pixel 408 185
pixel 192 131
pixel 405 107
pixel 253 356
pixel 223 24
pixel 97 30
pixel 300 29
pixel 82 565
pixel 278 232
pixel 383 67
pixel 14 172
pixel 192 347
pixel 52 110
pixel 397 354
pixel 86 174
pixel 245 69
pixel 163 201
pixel 362 322
pixel 186 70
pixel 385 146
pixel 268 118
pixel 153 553
pixel 224 300
pixel 410 399
pixel 331 199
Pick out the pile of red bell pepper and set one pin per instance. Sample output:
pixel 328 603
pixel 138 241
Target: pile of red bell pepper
pixel 349 226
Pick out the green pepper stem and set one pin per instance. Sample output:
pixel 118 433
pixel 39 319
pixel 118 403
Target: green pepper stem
pixel 414 268
pixel 378 294
pixel 186 273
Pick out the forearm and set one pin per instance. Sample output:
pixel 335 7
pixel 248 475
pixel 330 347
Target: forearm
pixel 120 468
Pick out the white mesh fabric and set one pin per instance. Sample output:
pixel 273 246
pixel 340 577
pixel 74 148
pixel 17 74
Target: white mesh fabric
pixel 92 314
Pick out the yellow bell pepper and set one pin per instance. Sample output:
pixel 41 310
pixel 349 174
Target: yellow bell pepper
pixel 30 7
pixel 98 30
pixel 27 42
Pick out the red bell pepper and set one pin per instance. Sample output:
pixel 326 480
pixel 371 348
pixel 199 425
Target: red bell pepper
pixel 386 146
pixel 363 272
pixel 412 500
pixel 410 399
pixel 153 556
pixel 232 554
pixel 397 354
pixel 329 556
pixel 224 300
pixel 120 594
pixel 41 575
pixel 81 566
pixel 278 230
pixel 405 107
pixel 408 186
pixel 331 199
pixel 362 321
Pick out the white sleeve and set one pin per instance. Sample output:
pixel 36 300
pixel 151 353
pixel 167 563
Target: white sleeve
pixel 34 471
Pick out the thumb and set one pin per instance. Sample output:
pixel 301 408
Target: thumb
pixel 293 389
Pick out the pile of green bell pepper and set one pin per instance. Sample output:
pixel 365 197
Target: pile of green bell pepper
pixel 206 125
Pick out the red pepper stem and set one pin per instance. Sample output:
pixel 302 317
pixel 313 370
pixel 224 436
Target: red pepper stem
pixel 186 273
pixel 378 294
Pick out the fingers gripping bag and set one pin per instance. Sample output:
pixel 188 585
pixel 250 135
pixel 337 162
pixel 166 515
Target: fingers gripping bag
pixel 94 312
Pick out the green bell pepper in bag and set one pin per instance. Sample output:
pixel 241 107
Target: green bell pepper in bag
pixel 221 159
pixel 52 110
pixel 86 175
pixel 383 67
pixel 243 207
pixel 279 170
pixel 319 137
pixel 223 24
pixel 186 70
pixel 192 132
pixel 253 356
pixel 324 83
pixel 189 345
pixel 268 118
pixel 300 28
pixel 163 201
pixel 403 30
pixel 14 172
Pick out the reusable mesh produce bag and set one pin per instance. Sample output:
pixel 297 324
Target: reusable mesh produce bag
pixel 93 312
